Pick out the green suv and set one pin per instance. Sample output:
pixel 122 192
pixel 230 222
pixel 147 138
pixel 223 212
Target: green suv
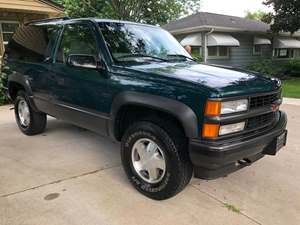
pixel 135 84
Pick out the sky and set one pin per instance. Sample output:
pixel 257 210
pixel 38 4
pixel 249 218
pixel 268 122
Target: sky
pixel 233 7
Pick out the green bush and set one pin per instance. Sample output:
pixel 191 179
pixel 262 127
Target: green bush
pixel 3 97
pixel 197 57
pixel 293 68
pixel 267 67
pixel 281 69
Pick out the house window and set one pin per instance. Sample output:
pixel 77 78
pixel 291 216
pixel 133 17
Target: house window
pixel 7 30
pixel 218 52
pixel 212 51
pixel 223 51
pixel 297 53
pixel 196 50
pixel 257 50
pixel 283 53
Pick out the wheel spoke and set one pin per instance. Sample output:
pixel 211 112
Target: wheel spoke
pixel 141 150
pixel 153 173
pixel 158 162
pixel 139 166
pixel 151 147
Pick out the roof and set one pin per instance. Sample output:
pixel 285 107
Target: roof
pixel 52 3
pixel 32 6
pixel 205 20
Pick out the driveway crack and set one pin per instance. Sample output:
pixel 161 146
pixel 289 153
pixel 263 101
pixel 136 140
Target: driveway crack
pixel 60 180
pixel 222 202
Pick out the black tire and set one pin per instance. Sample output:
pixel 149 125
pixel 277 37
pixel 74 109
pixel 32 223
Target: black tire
pixel 178 166
pixel 38 120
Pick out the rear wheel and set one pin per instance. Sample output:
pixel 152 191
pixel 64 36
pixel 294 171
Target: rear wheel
pixel 29 121
pixel 155 161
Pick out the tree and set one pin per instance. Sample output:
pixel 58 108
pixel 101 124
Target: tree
pixel 258 15
pixel 286 15
pixel 151 11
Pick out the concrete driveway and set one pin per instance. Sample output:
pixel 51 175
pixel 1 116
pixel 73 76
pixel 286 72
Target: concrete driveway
pixel 71 176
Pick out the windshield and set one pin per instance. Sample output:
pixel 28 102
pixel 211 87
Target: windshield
pixel 133 42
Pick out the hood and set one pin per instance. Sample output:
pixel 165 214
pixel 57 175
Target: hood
pixel 224 81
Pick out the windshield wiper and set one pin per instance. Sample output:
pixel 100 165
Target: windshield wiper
pixel 181 56
pixel 141 55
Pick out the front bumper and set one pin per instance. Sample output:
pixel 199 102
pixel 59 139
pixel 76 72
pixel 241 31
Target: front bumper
pixel 212 160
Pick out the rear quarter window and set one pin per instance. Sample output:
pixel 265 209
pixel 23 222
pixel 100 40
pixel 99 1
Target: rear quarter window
pixel 32 43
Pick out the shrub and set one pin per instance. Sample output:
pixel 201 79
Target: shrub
pixel 3 97
pixel 281 69
pixel 293 68
pixel 197 57
pixel 265 67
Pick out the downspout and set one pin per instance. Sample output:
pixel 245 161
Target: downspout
pixel 204 42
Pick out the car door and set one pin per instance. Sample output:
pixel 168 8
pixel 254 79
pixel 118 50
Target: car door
pixel 79 93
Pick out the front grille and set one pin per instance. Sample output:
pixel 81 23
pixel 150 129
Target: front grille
pixel 264 100
pixel 258 122
pixel 260 118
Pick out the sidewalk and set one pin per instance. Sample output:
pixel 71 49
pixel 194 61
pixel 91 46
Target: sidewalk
pixel 291 101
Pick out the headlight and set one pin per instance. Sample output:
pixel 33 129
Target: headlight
pixel 217 108
pixel 231 128
pixel 234 106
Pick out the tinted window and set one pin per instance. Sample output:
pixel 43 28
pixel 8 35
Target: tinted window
pixel 125 40
pixel 32 43
pixel 77 39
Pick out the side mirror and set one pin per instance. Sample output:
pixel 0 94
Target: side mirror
pixel 82 61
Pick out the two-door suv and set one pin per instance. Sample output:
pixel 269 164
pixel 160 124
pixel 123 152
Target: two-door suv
pixel 136 84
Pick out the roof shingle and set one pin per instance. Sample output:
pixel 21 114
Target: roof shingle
pixel 217 20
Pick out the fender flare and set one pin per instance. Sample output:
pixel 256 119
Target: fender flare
pixel 22 81
pixel 185 115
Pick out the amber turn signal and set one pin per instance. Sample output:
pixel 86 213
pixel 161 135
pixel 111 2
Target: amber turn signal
pixel 210 130
pixel 213 108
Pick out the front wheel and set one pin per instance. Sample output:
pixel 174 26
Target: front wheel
pixel 155 161
pixel 29 121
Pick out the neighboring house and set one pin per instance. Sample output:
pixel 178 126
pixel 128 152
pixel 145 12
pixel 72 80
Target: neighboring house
pixel 232 41
pixel 13 13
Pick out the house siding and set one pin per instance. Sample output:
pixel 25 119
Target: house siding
pixel 240 56
pixel 243 55
pixel 29 6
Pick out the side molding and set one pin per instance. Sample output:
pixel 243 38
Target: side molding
pixel 182 112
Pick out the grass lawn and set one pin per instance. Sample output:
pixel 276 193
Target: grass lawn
pixel 291 88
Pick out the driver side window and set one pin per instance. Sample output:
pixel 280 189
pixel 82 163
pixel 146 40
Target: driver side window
pixel 77 39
